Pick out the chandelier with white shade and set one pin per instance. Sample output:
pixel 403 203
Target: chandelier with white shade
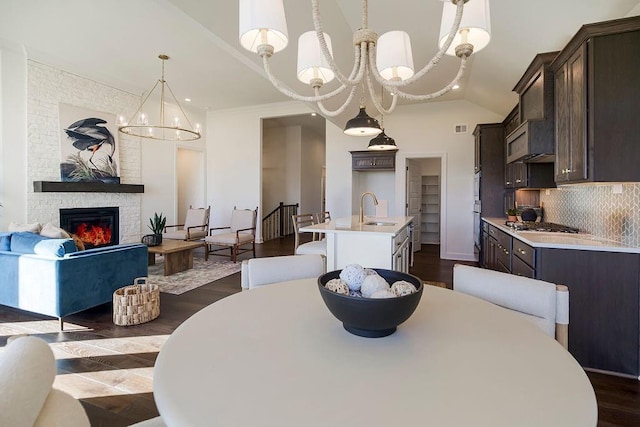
pixel 465 29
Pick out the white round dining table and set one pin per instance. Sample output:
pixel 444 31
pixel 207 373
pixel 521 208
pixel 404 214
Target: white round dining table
pixel 276 356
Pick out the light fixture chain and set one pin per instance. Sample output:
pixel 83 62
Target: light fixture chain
pixel 341 109
pixel 317 25
pixel 374 98
pixel 365 14
pixel 433 95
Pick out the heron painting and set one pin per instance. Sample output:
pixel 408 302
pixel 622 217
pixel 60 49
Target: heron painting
pixel 88 147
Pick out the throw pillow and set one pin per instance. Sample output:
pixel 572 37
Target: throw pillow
pixel 78 241
pixel 34 227
pixel 30 243
pixel 50 230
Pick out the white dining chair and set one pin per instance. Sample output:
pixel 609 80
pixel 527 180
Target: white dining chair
pixel 258 272
pixel 542 303
pixel 316 245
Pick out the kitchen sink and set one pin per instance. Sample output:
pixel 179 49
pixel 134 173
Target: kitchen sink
pixel 380 223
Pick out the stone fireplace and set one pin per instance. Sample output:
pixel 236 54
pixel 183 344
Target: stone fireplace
pixel 96 227
pixel 47 88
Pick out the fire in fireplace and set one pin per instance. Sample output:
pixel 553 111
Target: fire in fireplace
pixel 94 226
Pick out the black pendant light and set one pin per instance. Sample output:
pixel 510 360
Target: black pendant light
pixel 382 142
pixel 362 125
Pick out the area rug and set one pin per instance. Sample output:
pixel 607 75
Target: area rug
pixel 203 272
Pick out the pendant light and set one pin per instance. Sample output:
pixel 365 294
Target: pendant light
pixel 362 125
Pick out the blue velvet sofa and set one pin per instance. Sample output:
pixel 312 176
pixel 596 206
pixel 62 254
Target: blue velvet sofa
pixel 50 277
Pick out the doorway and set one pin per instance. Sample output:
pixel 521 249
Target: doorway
pixel 191 178
pixel 424 196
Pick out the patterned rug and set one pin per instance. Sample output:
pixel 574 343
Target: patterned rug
pixel 203 272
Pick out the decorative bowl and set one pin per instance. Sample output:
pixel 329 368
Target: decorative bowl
pixel 371 317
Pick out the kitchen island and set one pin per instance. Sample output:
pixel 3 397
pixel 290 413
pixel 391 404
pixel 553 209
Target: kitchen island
pixel 374 243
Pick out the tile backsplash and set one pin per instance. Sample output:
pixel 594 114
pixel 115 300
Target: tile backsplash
pixel 595 209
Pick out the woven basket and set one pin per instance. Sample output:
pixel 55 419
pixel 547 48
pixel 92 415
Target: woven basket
pixel 135 304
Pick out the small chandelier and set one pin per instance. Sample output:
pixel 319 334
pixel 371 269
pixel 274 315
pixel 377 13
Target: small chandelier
pixel 166 130
pixel 387 58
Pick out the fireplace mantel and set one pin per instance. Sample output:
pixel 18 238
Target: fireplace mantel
pixel 85 187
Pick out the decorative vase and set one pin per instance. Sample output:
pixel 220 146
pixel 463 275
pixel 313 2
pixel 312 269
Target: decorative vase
pixel 152 239
pixel 512 218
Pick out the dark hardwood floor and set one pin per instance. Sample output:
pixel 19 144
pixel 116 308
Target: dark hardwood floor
pixel 110 368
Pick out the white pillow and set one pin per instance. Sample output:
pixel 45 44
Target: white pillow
pixel 50 230
pixel 34 228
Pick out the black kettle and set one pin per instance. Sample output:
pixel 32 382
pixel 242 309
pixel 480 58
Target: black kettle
pixel 529 215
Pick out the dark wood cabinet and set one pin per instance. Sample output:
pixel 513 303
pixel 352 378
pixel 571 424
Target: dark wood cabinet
pixel 532 139
pixel 373 160
pixel 500 250
pixel 529 175
pixel 523 260
pixel 596 104
pixel 604 312
pixel 489 163
pixel 604 295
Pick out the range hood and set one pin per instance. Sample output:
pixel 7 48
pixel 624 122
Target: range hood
pixel 532 141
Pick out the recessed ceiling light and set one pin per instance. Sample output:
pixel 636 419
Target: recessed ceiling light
pixel 455 87
pixel 187 99
pixel 313 114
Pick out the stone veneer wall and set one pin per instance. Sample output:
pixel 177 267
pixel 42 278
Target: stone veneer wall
pixel 596 210
pixel 47 87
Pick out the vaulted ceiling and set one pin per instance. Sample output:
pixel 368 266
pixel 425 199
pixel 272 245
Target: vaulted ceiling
pixel 118 41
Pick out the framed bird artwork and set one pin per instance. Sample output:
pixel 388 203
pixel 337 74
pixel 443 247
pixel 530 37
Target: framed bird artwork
pixel 88 145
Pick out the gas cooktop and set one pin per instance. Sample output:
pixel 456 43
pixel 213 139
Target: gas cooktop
pixel 541 226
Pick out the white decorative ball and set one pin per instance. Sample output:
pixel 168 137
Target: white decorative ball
pixel 373 283
pixel 353 275
pixel 383 293
pixel 402 288
pixel 370 271
pixel 337 286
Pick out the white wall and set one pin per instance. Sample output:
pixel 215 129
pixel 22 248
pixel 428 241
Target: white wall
pixel 421 130
pixel 273 169
pixel 191 174
pixel 159 172
pixel 382 184
pixel 311 163
pixel 292 171
pixel 234 147
pixel 13 134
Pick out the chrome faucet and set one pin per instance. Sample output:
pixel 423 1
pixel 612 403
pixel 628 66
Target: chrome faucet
pixel 375 202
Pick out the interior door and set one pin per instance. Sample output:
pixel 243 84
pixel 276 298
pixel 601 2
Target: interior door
pixel 414 199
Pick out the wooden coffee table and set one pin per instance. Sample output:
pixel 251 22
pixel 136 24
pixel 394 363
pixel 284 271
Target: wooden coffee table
pixel 178 255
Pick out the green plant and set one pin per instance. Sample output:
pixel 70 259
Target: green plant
pixel 512 212
pixel 157 223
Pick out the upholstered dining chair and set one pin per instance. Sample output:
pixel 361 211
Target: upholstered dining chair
pixel 29 397
pixel 258 272
pixel 239 235
pixel 542 303
pixel 194 228
pixel 315 246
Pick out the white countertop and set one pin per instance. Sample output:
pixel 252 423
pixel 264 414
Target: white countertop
pixel 390 225
pixel 578 241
